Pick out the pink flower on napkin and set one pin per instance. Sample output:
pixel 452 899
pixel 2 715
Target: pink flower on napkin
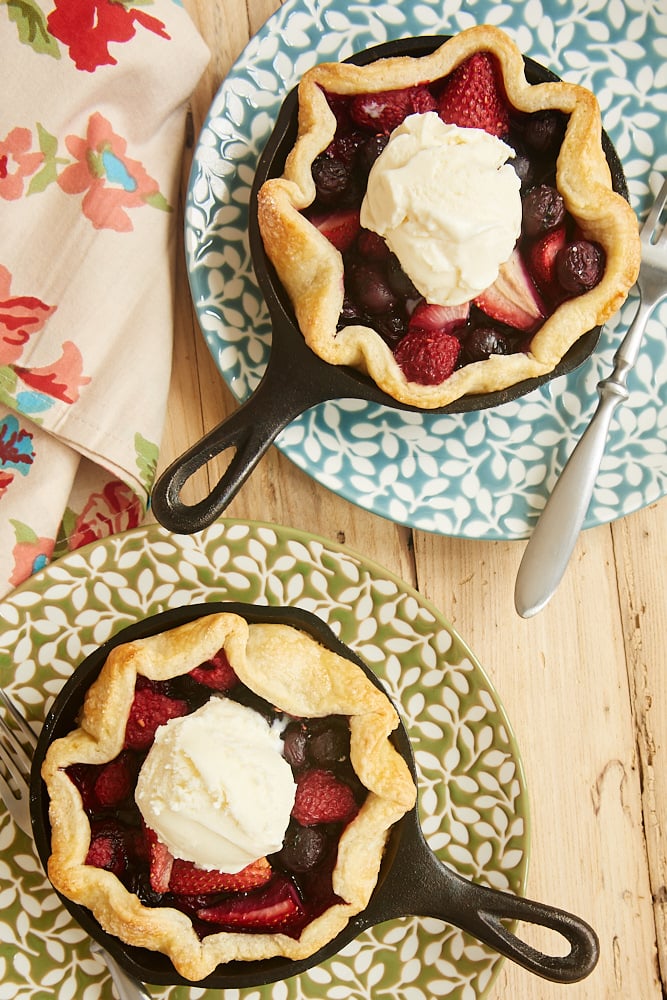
pixel 17 162
pixel 87 26
pixel 21 316
pixel 62 379
pixel 111 180
pixel 113 510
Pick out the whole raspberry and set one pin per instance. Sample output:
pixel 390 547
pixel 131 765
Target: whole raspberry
pixel 428 357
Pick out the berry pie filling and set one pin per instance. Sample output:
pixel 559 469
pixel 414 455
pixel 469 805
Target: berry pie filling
pixel 444 203
pixel 445 226
pixel 241 837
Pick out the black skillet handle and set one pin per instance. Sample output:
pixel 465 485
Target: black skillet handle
pixel 481 912
pixel 419 884
pixel 283 394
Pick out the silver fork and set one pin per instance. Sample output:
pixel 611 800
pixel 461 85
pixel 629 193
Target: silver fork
pixel 17 745
pixel 550 546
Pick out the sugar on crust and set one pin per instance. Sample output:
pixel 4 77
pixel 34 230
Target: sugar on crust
pixel 311 269
pixel 289 669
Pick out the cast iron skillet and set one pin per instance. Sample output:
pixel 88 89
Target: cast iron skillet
pixel 412 881
pixel 296 378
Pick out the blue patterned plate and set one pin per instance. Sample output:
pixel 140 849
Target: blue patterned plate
pixel 478 475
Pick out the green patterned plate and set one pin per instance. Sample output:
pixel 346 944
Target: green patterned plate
pixel 473 801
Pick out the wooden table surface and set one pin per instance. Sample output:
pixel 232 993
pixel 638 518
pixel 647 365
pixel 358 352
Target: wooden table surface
pixel 584 682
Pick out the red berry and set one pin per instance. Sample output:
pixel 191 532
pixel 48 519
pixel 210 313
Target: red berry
pixel 427 357
pixel 107 847
pixel 447 319
pixel 340 227
pixel 149 710
pixel 541 258
pixel 513 298
pixel 217 673
pixel 473 96
pixel 187 879
pixel 114 782
pixel 270 909
pixel 160 860
pixel 384 111
pixel 322 798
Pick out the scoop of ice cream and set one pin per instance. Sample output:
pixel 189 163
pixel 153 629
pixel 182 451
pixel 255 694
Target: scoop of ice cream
pixel 215 787
pixel 447 203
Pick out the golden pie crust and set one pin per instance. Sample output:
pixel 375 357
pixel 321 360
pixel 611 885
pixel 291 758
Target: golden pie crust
pixel 311 269
pixel 289 669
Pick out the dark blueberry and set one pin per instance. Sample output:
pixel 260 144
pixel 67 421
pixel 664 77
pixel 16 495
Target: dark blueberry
pixel 580 266
pixel 392 327
pixel 398 280
pixel 367 286
pixel 350 313
pixel 484 341
pixel 369 152
pixel 344 147
pixel 544 131
pixel 330 746
pixel 295 738
pixel 304 847
pixel 140 884
pixel 331 177
pixel 523 164
pixel 370 246
pixel 543 209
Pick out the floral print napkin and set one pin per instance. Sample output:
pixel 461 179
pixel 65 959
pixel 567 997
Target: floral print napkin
pixel 92 125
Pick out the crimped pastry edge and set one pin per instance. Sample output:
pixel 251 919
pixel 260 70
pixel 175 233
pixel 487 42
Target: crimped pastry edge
pixel 311 681
pixel 311 269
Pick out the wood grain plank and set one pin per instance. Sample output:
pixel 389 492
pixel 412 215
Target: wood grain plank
pixel 563 680
pixel 641 557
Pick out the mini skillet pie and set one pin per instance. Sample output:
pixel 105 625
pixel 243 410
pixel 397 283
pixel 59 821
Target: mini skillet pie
pixel 573 262
pixel 334 726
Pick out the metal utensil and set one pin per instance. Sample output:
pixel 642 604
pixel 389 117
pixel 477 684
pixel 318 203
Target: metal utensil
pixel 549 548
pixel 17 743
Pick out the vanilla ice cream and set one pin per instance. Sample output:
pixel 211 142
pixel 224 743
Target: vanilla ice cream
pixel 447 203
pixel 215 787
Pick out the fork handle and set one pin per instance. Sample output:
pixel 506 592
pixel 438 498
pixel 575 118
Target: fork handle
pixel 552 542
pixel 127 987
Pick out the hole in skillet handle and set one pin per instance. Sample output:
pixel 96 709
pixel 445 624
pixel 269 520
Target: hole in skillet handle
pixel 272 163
pixel 412 880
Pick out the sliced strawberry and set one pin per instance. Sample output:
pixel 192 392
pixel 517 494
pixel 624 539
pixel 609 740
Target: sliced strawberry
pixel 384 111
pixel 270 909
pixel 187 879
pixel 340 227
pixel 149 710
pixel 160 862
pixel 473 96
pixel 217 673
pixel 513 298
pixel 427 316
pixel 427 357
pixel 541 260
pixel 322 798
pixel 114 781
